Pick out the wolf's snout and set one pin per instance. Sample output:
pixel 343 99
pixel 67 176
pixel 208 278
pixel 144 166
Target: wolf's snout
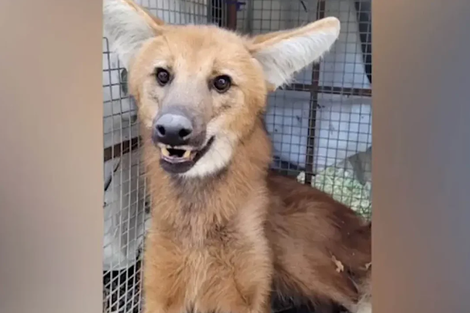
pixel 173 129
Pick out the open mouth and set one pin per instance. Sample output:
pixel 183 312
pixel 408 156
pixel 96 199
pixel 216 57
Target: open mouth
pixel 175 155
pixel 180 159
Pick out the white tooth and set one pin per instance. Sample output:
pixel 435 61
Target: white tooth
pixel 187 154
pixel 165 152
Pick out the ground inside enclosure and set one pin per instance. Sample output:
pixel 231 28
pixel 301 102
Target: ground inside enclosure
pixel 320 125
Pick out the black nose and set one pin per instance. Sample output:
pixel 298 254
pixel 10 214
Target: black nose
pixel 173 129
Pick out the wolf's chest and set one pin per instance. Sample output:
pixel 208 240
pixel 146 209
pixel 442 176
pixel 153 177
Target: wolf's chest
pixel 205 270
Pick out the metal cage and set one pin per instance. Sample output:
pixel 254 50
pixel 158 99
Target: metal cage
pixel 320 125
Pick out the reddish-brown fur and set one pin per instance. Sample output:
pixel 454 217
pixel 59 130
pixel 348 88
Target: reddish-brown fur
pixel 225 242
pixel 207 249
pixel 306 229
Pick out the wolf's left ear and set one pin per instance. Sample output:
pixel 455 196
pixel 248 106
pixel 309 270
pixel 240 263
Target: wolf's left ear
pixel 127 26
pixel 284 53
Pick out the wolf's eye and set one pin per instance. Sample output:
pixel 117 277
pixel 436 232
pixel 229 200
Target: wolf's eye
pixel 163 77
pixel 222 83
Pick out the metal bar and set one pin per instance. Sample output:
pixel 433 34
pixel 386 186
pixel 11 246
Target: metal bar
pixel 210 13
pixel 313 108
pixel 249 17
pixel 232 15
pixel 121 148
pixel 331 90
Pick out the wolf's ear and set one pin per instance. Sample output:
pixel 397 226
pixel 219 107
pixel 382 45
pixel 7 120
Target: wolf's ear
pixel 127 26
pixel 284 53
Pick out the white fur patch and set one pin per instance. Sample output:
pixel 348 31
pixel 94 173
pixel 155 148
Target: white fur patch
pixel 125 29
pixel 219 154
pixel 282 59
pixel 364 307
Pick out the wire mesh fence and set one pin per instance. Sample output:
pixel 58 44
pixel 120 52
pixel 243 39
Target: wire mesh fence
pixel 124 205
pixel 320 125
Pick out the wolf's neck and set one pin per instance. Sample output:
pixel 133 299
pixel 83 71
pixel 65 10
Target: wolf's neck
pixel 182 203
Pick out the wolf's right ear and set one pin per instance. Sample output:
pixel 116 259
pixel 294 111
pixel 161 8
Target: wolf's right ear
pixel 283 53
pixel 127 26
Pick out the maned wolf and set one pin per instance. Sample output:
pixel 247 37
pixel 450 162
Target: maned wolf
pixel 226 232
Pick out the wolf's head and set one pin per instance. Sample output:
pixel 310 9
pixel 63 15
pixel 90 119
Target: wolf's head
pixel 201 89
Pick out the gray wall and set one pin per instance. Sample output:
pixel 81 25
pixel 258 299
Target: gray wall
pixel 421 172
pixel 51 156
